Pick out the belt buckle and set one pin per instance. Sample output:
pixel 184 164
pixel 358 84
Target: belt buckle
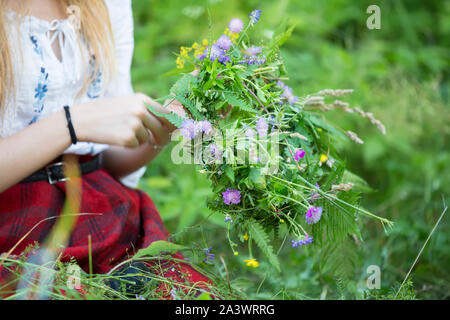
pixel 49 172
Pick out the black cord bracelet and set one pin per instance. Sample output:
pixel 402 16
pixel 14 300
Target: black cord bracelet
pixel 73 136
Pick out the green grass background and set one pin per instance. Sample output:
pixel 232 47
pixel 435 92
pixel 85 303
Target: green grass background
pixel 400 73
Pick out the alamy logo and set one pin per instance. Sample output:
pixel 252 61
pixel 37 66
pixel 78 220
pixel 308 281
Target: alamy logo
pixel 374 20
pixel 374 280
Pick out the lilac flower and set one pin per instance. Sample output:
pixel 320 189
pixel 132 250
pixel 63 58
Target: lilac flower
pixel 219 76
pixel 254 50
pixel 231 196
pixel 224 42
pixel 228 218
pixel 236 25
pixel 314 195
pixel 203 126
pixel 254 16
pixel 313 215
pixel 250 133
pixel 188 129
pixel 209 255
pixel 299 154
pixel 262 127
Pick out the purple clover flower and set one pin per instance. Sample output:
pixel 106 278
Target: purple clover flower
pixel 203 126
pixel 216 52
pixel 254 16
pixel 224 42
pixel 262 127
pixel 299 154
pixel 250 133
pixel 231 196
pixel 236 25
pixel 188 129
pixel 313 215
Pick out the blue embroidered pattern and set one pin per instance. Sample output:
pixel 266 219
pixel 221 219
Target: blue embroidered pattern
pixel 95 88
pixel 36 47
pixel 42 86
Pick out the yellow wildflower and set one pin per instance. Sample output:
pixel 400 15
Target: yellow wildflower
pixel 252 263
pixel 323 158
pixel 205 42
pixel 245 237
pixel 195 45
pixel 236 253
pixel 180 63
pixel 184 52
pixel 233 36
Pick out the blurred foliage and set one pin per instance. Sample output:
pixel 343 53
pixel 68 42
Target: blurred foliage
pixel 400 73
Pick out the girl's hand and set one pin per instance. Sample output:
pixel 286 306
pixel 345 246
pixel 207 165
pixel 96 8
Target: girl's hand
pixel 123 121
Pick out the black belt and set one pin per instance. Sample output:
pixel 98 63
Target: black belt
pixel 54 173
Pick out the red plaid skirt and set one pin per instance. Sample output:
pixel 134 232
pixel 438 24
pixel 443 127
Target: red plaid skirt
pixel 125 221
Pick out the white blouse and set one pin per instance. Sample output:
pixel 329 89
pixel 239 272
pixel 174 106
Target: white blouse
pixel 44 84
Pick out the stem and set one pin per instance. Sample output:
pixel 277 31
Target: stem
pixel 257 99
pixel 383 220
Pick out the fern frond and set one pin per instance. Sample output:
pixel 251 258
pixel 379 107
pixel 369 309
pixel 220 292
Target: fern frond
pixel 262 240
pixel 173 118
pixel 236 101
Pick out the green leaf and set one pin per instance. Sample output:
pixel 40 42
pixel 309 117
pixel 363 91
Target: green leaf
pixel 204 296
pixel 261 238
pixel 181 87
pixel 173 118
pixel 230 173
pixel 235 101
pixel 190 106
pixel 158 247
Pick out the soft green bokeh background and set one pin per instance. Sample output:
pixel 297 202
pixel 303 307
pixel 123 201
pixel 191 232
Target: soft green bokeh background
pixel 400 73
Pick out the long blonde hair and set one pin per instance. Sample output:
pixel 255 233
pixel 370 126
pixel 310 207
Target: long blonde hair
pixel 95 28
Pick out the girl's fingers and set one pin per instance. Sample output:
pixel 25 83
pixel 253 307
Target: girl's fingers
pixel 134 143
pixel 158 108
pixel 142 134
pixel 154 125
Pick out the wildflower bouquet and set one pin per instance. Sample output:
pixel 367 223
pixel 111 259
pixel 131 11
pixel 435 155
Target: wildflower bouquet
pixel 269 154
